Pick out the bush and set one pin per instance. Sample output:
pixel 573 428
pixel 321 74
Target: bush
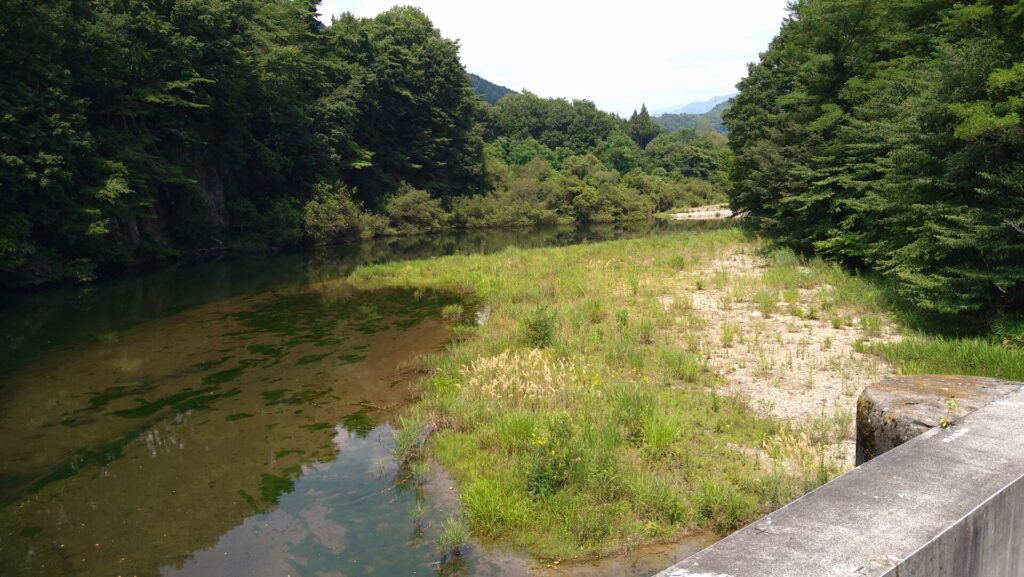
pixel 334 216
pixel 413 211
pixel 555 456
pixel 520 203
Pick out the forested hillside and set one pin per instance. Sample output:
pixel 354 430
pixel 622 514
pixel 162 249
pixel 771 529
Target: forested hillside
pixel 489 91
pixel 888 135
pixel 711 120
pixel 145 129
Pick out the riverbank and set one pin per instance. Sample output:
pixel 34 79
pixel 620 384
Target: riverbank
pixel 596 330
pixel 634 391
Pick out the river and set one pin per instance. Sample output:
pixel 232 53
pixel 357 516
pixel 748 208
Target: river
pixel 234 417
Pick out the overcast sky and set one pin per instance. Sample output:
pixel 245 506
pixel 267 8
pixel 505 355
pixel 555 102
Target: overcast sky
pixel 665 53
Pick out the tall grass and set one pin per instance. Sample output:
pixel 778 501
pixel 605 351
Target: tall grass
pixel 927 350
pixel 924 354
pixel 573 424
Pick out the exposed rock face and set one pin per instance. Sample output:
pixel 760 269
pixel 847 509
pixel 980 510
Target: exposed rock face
pixel 897 409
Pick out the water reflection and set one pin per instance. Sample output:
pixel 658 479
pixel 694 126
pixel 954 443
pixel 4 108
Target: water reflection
pixel 136 451
pixel 343 517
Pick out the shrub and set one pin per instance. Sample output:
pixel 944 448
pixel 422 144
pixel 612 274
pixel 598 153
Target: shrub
pixel 519 204
pixel 414 211
pixel 564 454
pixel 334 216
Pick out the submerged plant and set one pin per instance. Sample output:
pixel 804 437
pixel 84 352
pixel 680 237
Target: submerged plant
pixel 452 540
pixel 417 513
pixel 419 471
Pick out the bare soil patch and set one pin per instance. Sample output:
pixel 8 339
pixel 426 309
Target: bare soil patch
pixel 784 361
pixel 712 212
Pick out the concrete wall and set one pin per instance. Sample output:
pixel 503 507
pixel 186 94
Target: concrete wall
pixel 949 503
pixel 988 542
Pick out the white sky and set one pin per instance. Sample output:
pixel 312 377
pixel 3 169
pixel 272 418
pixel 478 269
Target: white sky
pixel 664 53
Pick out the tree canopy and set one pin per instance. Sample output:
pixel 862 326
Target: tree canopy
pixel 888 134
pixel 133 130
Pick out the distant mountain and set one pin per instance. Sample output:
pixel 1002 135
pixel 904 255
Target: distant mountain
pixel 490 91
pixel 711 119
pixel 695 107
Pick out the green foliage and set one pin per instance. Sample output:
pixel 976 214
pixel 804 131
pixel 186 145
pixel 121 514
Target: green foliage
pixel 279 226
pixel 556 123
pixel 889 134
pixel 137 130
pixel 923 355
pixel 130 130
pixel 414 211
pixel 1009 331
pixel 686 153
pixel 452 539
pixel 641 128
pixel 606 437
pixel 724 505
pixel 333 216
pixel 492 508
pixel 538 328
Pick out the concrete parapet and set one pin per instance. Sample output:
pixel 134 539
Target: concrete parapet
pixel 948 503
pixel 898 409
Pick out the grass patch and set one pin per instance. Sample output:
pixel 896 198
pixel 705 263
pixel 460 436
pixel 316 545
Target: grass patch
pixel 767 302
pixel 452 539
pixel 572 425
pixel 923 354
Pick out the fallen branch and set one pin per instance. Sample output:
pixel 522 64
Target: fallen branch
pixel 1017 225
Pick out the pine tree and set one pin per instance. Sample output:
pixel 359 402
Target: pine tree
pixel 641 128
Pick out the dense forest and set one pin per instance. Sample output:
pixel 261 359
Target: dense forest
pixel 132 130
pixel 888 135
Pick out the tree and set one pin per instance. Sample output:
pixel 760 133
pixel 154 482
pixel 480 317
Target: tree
pixel 641 128
pixel 889 135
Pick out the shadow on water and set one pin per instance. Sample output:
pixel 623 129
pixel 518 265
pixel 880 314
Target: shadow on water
pixel 233 418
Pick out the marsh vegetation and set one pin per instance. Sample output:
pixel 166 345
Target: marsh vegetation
pixel 633 391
